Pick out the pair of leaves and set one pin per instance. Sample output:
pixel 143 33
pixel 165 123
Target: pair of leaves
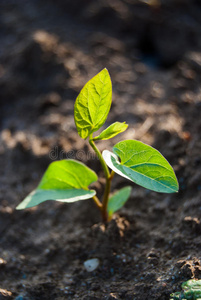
pixel 92 107
pixel 68 180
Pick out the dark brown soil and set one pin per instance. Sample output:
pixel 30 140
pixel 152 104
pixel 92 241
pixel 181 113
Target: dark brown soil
pixel 48 50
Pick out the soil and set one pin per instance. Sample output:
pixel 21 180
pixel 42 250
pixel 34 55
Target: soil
pixel 48 50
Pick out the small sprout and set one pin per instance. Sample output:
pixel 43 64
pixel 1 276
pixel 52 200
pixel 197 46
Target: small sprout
pixel 69 180
pixel 191 290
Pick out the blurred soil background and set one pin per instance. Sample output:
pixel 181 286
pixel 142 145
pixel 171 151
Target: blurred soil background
pixel 48 51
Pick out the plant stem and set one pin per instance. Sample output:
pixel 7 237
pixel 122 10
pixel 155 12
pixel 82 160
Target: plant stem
pixel 105 199
pixel 108 178
pixel 105 168
pixel 97 201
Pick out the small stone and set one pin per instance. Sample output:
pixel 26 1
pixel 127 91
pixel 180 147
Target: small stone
pixel 91 264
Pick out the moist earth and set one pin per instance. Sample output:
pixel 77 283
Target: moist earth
pixel 48 50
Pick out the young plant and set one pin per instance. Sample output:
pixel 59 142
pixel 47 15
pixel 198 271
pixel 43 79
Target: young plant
pixel 69 180
pixel 191 290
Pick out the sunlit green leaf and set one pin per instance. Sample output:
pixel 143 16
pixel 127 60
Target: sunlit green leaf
pixel 118 199
pixel 93 104
pixel 67 174
pixel 65 181
pixel 111 131
pixel 143 165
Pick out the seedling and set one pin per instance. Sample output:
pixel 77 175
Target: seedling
pixel 69 180
pixel 191 290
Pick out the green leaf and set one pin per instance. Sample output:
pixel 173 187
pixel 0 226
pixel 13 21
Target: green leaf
pixel 111 131
pixel 118 199
pixel 93 104
pixel 67 174
pixel 143 165
pixel 65 181
pixel 71 195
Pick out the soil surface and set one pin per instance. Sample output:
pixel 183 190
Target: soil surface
pixel 48 50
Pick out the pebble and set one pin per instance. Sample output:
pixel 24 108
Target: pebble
pixel 91 264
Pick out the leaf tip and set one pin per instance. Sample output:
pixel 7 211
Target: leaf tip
pixel 20 206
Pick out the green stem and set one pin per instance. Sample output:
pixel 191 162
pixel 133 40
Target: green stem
pixel 105 199
pixel 108 178
pixel 105 168
pixel 97 201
